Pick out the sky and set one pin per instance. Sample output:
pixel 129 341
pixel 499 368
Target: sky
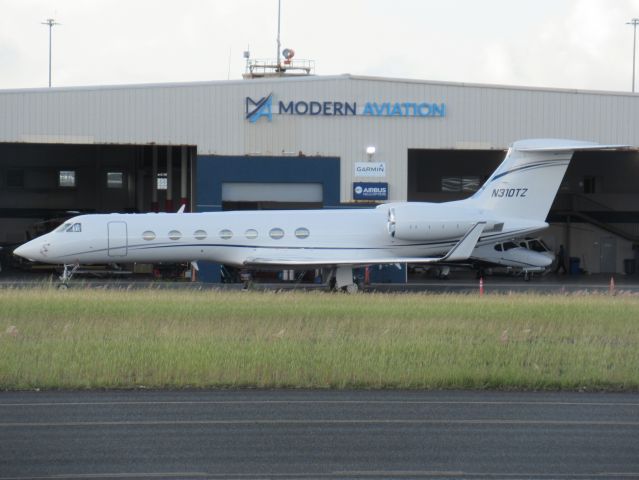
pixel 575 44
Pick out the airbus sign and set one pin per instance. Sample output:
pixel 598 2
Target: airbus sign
pixel 370 191
pixel 266 107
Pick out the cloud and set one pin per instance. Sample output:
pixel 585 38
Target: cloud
pixel 588 48
pixel 549 43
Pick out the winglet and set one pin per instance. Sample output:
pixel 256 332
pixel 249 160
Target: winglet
pixel 466 245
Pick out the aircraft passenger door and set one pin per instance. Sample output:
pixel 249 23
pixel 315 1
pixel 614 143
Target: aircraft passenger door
pixel 117 239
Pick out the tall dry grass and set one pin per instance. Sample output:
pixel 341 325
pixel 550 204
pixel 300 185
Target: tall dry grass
pixel 175 339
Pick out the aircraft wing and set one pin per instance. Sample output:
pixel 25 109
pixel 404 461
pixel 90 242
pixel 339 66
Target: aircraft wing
pixel 461 251
pixel 332 262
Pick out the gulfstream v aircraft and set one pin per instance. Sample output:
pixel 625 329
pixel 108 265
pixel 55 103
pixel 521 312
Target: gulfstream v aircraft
pixel 513 202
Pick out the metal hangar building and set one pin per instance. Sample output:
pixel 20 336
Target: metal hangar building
pixel 312 142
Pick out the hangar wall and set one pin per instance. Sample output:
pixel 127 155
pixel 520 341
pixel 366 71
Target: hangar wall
pixel 212 115
pixel 279 122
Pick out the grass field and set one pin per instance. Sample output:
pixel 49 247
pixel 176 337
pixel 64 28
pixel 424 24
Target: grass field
pixel 171 339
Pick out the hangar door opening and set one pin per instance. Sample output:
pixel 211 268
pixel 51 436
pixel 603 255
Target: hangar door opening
pixel 42 185
pixel 445 175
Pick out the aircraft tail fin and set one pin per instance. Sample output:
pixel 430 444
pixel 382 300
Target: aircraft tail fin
pixel 525 184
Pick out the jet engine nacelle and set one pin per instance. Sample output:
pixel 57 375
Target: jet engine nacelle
pixel 415 223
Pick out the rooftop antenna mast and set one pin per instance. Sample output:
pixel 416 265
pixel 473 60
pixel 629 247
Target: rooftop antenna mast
pixel 279 13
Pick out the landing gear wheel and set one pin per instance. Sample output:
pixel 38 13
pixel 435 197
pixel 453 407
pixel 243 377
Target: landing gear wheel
pixel 63 286
pixel 350 289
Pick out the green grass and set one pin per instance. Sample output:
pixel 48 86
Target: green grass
pixel 176 339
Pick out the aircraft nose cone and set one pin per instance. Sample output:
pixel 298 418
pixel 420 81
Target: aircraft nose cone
pixel 30 251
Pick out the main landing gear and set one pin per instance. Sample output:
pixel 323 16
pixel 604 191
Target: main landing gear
pixel 341 278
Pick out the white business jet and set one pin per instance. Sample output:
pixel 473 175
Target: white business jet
pixel 513 202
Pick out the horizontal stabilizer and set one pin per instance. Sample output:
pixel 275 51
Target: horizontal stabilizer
pixel 559 145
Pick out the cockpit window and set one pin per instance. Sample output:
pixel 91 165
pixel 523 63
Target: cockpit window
pixel 76 227
pixel 63 227
pixel 536 246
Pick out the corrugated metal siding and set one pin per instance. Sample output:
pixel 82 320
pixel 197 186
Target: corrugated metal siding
pixel 212 116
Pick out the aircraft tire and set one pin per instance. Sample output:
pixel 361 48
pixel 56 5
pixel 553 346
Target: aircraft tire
pixel 351 289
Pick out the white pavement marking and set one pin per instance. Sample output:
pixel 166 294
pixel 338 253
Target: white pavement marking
pixel 325 422
pixel 320 402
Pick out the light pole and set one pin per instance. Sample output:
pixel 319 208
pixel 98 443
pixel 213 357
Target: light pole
pixel 279 16
pixel 50 22
pixel 634 22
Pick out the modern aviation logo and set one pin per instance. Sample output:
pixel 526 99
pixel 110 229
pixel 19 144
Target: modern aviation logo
pixel 256 109
pixel 262 108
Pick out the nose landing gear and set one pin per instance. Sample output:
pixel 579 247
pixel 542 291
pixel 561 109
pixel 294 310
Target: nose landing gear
pixel 67 273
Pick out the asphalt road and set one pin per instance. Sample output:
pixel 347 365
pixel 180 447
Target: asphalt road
pixel 318 434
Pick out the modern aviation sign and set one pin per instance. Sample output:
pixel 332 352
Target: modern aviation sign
pixel 267 107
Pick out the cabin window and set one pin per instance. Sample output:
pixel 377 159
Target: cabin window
pixel 199 234
pixel 276 233
pixel 251 234
pixel 509 245
pixel 498 247
pixel 302 232
pixel 175 235
pixel 66 178
pixel 115 179
pixel 148 235
pixel 536 246
pixel 226 234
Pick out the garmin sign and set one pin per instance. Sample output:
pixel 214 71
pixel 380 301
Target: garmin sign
pixel 267 107
pixel 370 169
